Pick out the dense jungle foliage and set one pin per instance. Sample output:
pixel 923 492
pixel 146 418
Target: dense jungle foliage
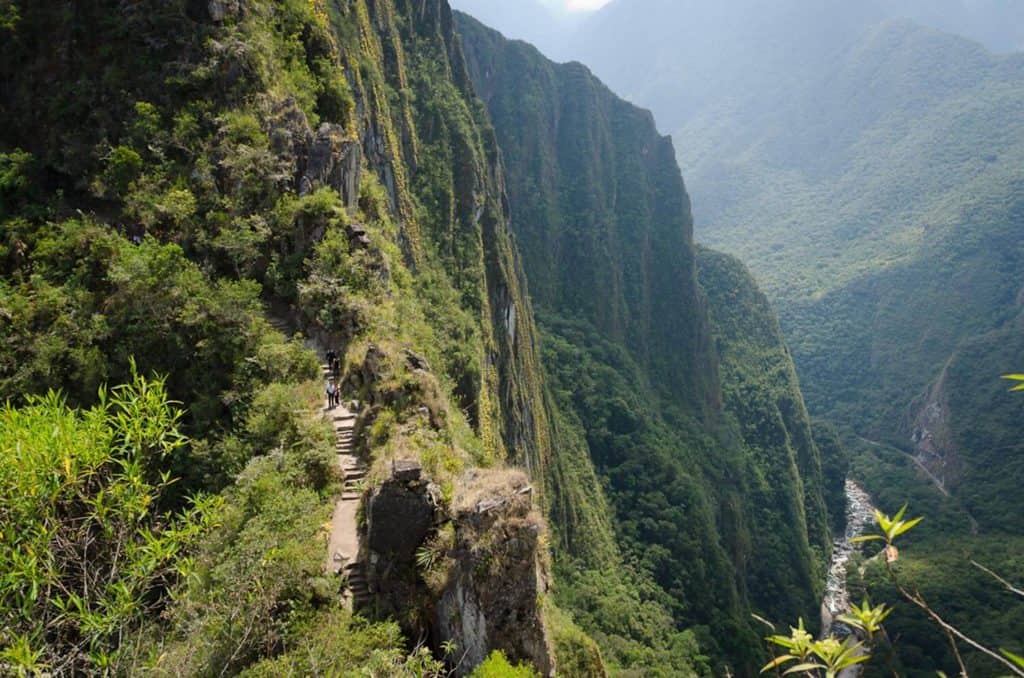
pixel 867 169
pixel 198 197
pixel 711 460
pixel 176 180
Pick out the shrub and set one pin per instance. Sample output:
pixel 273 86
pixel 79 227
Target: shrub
pixel 497 666
pixel 85 557
pixel 123 167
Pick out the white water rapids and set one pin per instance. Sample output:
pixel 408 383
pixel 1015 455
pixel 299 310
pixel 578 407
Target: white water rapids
pixel 859 517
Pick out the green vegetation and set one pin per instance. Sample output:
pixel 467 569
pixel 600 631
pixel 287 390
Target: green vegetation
pixel 689 412
pixel 171 171
pixel 497 666
pixel 84 487
pixel 868 171
pixel 941 572
pixel 886 651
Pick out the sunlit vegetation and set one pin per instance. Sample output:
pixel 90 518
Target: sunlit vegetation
pixel 151 215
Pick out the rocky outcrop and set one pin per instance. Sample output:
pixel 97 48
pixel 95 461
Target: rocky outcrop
pixel 220 10
pixel 471 575
pixel 328 157
pixel 491 600
pixel 333 160
pixel 928 427
pixel 400 513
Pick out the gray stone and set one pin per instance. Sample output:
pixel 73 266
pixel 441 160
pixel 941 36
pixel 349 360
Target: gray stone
pixel 406 470
pixel 219 10
pixel 398 520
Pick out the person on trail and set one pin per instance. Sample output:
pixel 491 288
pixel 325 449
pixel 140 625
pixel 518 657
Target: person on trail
pixel 332 395
pixel 331 357
pixel 336 368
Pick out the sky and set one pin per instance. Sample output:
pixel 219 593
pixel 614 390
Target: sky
pixel 584 5
pixel 575 5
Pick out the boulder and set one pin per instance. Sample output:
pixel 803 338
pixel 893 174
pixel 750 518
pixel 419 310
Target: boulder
pixel 221 10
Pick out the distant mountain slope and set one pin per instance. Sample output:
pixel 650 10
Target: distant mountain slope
pixel 871 177
pixel 633 350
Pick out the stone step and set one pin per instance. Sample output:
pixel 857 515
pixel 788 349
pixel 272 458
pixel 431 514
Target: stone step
pixel 355 474
pixel 350 496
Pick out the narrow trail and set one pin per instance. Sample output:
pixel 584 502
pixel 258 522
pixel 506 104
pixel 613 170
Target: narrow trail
pixel 343 544
pixel 939 485
pixel 937 482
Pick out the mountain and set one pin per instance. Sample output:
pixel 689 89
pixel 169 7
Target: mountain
pixel 690 412
pixel 530 20
pixel 887 232
pixel 867 170
pixel 199 200
pixel 203 202
pixel 997 24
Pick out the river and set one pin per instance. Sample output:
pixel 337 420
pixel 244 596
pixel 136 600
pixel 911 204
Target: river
pixel 859 517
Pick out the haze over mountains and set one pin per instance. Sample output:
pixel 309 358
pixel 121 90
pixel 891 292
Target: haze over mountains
pixel 570 439
pixel 866 160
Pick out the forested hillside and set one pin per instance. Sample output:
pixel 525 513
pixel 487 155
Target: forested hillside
pixel 888 232
pixel 868 170
pixel 698 466
pixel 200 199
pixel 180 183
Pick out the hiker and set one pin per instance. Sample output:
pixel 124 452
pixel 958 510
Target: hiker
pixel 332 395
pixel 336 367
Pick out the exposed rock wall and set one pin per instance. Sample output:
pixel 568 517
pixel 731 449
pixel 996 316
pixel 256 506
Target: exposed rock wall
pixel 472 575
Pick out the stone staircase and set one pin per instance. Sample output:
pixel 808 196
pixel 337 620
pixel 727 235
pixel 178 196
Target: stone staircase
pixel 343 548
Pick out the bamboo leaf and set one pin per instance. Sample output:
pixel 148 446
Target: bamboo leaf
pixel 778 661
pixel 804 667
pixel 904 527
pixel 1016 659
pixel 866 537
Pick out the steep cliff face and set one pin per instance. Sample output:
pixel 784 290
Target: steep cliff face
pixel 710 466
pixel 376 86
pixel 471 574
pixel 782 461
pixel 599 210
pixel 331 156
pixel 438 158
